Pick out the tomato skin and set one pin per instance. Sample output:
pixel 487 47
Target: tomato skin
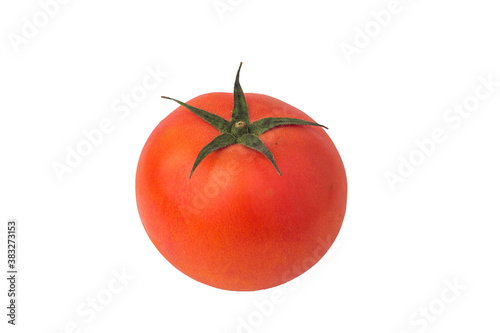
pixel 236 224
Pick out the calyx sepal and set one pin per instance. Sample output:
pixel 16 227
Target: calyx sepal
pixel 239 130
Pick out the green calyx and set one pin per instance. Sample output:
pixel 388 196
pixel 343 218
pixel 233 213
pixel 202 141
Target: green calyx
pixel 239 130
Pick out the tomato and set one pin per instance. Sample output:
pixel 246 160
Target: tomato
pixel 240 214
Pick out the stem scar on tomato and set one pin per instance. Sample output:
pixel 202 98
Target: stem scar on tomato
pixel 239 130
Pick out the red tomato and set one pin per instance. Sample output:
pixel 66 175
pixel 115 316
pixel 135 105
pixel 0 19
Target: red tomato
pixel 236 224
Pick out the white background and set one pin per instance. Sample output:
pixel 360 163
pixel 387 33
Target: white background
pixel 399 249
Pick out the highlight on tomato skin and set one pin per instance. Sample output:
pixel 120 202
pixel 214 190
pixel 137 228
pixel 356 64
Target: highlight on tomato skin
pixel 240 191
